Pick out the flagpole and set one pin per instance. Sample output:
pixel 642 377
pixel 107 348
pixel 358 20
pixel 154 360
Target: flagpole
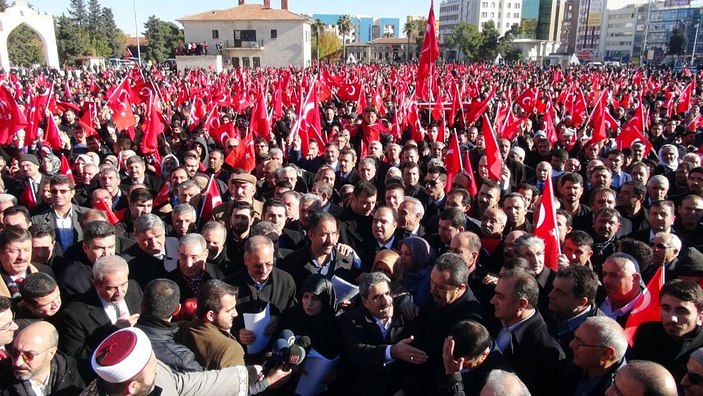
pixel 136 31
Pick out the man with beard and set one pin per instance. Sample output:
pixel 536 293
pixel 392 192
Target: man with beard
pixel 357 218
pixel 621 280
pixel 605 228
pixel 671 341
pixel 38 368
pixel 488 198
pixel 215 235
pixel 240 222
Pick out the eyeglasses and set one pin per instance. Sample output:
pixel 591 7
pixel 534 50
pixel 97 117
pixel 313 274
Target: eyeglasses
pixel 27 356
pixel 580 344
pixel 7 325
pixel 431 183
pixel 659 246
pixel 694 379
pixel 56 191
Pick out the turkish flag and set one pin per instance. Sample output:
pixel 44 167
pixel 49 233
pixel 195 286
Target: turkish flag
pixel 111 216
pixel 28 199
pixel 11 117
pixel 349 91
pixel 164 196
pixel 684 102
pixel 121 106
pixel 477 108
pixel 428 55
pixel 242 157
pixel 51 135
pixel 549 127
pixel 695 123
pixel 598 120
pixel 66 168
pixel 259 124
pixel 452 160
pixel 211 201
pixel 308 123
pixel 546 225
pixel 630 134
pixel 528 99
pixel 469 172
pixel 456 106
pixel 647 307
pixel 495 159
pixel 153 126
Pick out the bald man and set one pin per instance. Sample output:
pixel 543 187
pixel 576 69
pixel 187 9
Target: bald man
pixel 640 378
pixel 38 364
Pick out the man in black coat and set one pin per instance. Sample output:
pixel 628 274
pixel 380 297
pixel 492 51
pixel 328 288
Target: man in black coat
pixel 524 338
pixel 154 255
pixel 671 341
pixel 380 359
pixel 136 168
pixel 160 302
pixel 469 355
pixel 41 363
pixel 113 303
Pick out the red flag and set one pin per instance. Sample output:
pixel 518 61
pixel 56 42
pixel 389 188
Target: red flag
pixel 629 134
pixel 695 123
pixel 684 102
pixel 598 120
pixel 546 226
pixel 456 106
pixel 211 201
pixel 428 56
pixel 452 160
pixel 66 168
pixel 349 91
pixel 528 99
pixel 121 106
pixel 242 157
pixel 28 199
pixel 259 124
pixel 549 127
pixel 12 119
pixel 153 126
pixel 111 217
pixel 647 307
pixel 308 123
pixel 164 196
pixel 469 172
pixel 495 159
pixel 477 108
pixel 51 135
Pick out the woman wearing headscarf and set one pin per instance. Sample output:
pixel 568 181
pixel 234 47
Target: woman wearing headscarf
pixel 416 258
pixel 388 262
pixel 314 317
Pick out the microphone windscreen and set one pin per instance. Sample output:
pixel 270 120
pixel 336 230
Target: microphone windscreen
pixel 289 336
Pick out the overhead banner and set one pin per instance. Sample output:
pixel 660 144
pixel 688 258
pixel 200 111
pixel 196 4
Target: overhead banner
pixel 677 3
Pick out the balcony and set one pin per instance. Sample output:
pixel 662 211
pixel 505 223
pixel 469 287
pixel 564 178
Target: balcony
pixel 237 44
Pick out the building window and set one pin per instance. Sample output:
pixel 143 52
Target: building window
pixel 242 36
pixel 484 15
pixel 246 62
pixel 215 34
pixel 256 61
pixel 274 34
pixel 509 5
pixel 235 62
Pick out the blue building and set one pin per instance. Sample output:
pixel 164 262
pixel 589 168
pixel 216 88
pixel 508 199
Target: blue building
pixel 366 29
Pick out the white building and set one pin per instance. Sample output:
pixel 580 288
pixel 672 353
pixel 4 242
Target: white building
pixel 590 30
pixel 253 35
pixel 619 34
pixel 504 13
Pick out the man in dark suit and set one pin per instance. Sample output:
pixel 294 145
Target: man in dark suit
pixel 347 173
pixel 113 303
pixel 377 341
pixel 524 338
pixel 154 254
pixel 660 218
pixel 63 215
pixel 357 218
pixel 136 169
pixel 33 179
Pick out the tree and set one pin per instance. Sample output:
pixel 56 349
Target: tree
pixel 528 28
pixel 329 44
pixel 505 43
pixel 410 29
pixel 466 38
pixel 69 41
pixel 676 41
pixel 489 43
pixel 111 40
pixel 318 28
pixel 78 11
pixel 24 46
pixel 162 37
pixel 345 25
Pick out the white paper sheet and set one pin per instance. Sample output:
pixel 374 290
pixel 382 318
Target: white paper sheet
pixel 344 290
pixel 257 323
pixel 315 369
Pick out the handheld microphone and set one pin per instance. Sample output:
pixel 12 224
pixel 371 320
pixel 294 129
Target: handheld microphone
pixel 278 356
pixel 296 355
pixel 288 335
pixel 303 342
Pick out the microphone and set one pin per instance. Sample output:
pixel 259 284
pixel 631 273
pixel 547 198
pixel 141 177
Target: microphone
pixel 287 335
pixel 303 342
pixel 278 356
pixel 296 355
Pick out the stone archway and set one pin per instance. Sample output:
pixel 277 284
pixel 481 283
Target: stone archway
pixel 43 25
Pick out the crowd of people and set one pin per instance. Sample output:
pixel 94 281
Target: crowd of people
pixel 135 257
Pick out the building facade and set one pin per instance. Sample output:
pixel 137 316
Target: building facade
pixel 504 13
pixel 253 35
pixel 653 36
pixel 620 33
pixel 365 28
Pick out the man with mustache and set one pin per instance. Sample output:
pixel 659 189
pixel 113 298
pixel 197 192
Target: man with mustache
pixel 240 220
pixel 672 340
pixel 621 280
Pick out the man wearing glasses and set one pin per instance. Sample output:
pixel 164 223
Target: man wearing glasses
pixel 63 215
pixel 671 341
pixel 7 326
pixel 38 365
pixel 598 346
pixel 665 250
pixel 640 378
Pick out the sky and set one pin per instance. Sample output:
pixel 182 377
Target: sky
pixel 170 10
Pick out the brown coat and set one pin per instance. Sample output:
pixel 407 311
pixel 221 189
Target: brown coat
pixel 214 349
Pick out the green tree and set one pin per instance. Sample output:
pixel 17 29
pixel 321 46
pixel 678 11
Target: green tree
pixel 676 41
pixel 318 28
pixel 528 28
pixel 71 44
pixel 345 25
pixel 111 41
pixel 78 11
pixel 505 43
pixel 24 46
pixel 410 29
pixel 489 43
pixel 466 39
pixel 329 44
pixel 162 37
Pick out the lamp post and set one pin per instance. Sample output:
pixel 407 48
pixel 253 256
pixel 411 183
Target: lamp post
pixel 695 42
pixel 136 31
